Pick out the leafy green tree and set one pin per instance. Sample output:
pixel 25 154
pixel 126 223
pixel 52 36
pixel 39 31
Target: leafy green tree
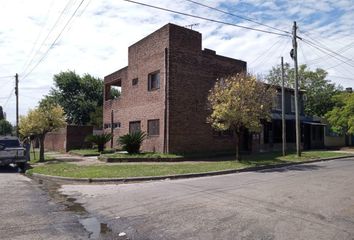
pixel 341 117
pixel 318 90
pixel 79 97
pixel 238 102
pixel 40 121
pixel 5 127
pixel 1 113
pixel 99 140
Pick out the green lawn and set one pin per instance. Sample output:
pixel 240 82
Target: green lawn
pixel 90 152
pixel 35 156
pixel 140 169
pixel 141 155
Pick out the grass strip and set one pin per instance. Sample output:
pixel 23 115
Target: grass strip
pixel 142 169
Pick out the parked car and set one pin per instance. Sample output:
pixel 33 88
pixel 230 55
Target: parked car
pixel 11 152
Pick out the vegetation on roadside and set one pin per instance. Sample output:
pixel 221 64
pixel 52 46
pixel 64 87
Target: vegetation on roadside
pixel 131 142
pixel 91 152
pixel 99 140
pixel 239 102
pixel 123 170
pixel 35 156
pixel 142 155
pixel 40 121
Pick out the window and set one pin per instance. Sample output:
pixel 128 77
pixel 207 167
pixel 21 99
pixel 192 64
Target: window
pixel 113 90
pixel 292 103
pixel 134 127
pixel 154 81
pixel 277 102
pixel 154 127
pixel 135 81
pixel 116 125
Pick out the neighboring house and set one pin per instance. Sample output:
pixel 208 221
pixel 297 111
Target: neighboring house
pixel 164 93
pixel 312 130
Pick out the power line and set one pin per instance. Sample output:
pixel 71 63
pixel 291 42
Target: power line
pixel 319 44
pixel 9 97
pixel 54 42
pixel 204 18
pixel 321 49
pixel 341 77
pixel 1 77
pixel 39 35
pixel 47 36
pixel 238 16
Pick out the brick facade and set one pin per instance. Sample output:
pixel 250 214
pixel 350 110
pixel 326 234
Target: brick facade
pixel 68 138
pixel 186 74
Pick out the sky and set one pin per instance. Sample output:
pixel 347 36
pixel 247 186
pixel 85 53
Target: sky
pixel 40 38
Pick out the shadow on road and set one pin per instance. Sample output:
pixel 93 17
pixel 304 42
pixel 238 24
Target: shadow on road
pixel 8 169
pixel 303 167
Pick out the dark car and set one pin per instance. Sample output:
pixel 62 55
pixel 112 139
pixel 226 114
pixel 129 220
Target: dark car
pixel 11 152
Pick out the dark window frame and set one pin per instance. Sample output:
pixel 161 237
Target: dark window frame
pixel 131 128
pixel 153 131
pixel 135 81
pixel 150 87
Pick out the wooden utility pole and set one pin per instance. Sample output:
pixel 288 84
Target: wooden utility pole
pixel 16 93
pixel 296 93
pixel 283 107
pixel 112 132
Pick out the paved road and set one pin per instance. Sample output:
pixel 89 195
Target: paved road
pixel 28 213
pixel 309 201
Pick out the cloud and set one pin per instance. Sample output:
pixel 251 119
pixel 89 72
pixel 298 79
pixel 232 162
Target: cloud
pixel 97 41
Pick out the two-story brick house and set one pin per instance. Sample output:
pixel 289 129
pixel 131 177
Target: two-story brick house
pixel 164 93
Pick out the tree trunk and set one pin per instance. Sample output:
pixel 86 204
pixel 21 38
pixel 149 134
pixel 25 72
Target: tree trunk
pixel 237 136
pixel 41 148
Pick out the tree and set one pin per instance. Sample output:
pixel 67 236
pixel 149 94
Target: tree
pixel 238 102
pixel 100 140
pixel 318 90
pixel 5 127
pixel 40 121
pixel 79 96
pixel 131 142
pixel 1 114
pixel 341 117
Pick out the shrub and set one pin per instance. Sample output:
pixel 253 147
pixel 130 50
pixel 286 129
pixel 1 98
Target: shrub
pixel 132 142
pixel 100 140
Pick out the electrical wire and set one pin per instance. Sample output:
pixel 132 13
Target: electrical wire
pixel 321 45
pixel 9 97
pixel 54 42
pixel 39 35
pixel 238 16
pixel 321 49
pixel 47 36
pixel 204 18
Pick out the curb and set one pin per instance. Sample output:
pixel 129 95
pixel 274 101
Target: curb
pixel 180 176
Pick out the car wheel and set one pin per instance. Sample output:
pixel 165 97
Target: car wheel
pixel 22 167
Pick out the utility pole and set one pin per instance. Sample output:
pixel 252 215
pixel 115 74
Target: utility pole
pixel 297 118
pixel 16 93
pixel 283 107
pixel 112 129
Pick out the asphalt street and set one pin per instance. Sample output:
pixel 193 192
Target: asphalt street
pixel 308 201
pixel 28 212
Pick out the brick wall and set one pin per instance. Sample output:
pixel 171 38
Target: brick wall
pixel 136 103
pixel 68 138
pixel 191 73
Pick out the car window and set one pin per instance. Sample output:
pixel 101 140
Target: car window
pixel 10 143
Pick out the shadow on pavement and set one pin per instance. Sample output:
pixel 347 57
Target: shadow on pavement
pixel 303 167
pixel 8 169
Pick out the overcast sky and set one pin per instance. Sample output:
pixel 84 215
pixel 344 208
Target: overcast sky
pixel 97 38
